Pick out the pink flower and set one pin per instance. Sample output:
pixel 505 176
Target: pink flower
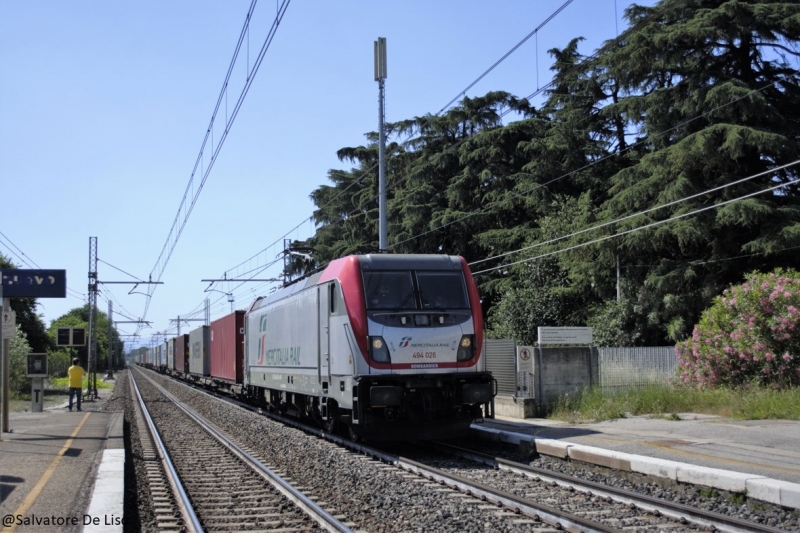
pixel 733 302
pixel 787 294
pixel 768 356
pixel 786 356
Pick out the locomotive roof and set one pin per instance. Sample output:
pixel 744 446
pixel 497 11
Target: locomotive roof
pixel 409 262
pixel 285 292
pixel 370 262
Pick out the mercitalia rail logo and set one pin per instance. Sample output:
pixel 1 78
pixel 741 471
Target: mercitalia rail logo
pixel 275 356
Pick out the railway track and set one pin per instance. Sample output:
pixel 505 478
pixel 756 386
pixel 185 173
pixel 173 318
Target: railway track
pixel 529 483
pixel 510 496
pixel 217 485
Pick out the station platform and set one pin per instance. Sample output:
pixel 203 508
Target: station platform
pixel 758 457
pixel 63 471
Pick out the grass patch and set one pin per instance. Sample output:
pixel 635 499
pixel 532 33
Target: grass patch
pixel 63 383
pixel 749 403
pixel 56 392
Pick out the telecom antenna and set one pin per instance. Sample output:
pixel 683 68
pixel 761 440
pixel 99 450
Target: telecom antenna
pixel 380 76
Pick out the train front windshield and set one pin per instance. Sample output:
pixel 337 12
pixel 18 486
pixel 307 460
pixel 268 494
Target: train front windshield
pixel 415 290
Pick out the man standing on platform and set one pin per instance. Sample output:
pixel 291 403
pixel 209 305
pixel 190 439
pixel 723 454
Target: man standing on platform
pixel 75 374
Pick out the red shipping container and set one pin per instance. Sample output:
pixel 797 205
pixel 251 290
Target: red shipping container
pixel 182 353
pixel 227 347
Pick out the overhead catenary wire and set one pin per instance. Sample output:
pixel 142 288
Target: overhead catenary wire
pixel 462 93
pixel 639 213
pixel 178 225
pixel 529 98
pixel 30 263
pixel 18 253
pixel 585 167
pixel 120 270
pixel 640 228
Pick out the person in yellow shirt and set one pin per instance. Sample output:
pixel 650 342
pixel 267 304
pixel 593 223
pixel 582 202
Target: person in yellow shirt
pixel 75 373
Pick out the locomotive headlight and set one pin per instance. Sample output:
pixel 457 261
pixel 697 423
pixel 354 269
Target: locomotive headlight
pixel 378 351
pixel 465 349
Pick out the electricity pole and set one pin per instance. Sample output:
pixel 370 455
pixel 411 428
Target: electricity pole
pixel 91 391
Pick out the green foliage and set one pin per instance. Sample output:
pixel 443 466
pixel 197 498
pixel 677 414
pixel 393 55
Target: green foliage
pixel 665 120
pixel 31 323
pixel 748 403
pixel 63 383
pixel 615 324
pixel 18 381
pixel 542 299
pixel 751 334
pixel 60 359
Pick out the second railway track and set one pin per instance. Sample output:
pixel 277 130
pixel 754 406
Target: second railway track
pixel 227 488
pixel 383 492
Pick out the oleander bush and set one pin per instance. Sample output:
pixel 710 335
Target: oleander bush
pixel 749 335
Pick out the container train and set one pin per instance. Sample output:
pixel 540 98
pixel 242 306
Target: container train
pixel 386 347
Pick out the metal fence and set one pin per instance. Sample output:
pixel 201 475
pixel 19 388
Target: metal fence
pixel 618 369
pixel 500 357
pixel 628 368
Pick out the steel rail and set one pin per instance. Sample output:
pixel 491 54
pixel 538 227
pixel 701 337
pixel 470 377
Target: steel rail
pixel 190 520
pixel 550 515
pixel 648 503
pixel 538 511
pixel 326 521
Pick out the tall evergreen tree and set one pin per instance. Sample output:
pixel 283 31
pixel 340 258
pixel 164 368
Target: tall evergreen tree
pixel 715 101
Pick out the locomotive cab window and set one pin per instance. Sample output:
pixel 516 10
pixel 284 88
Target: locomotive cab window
pixel 442 290
pixel 415 290
pixel 389 290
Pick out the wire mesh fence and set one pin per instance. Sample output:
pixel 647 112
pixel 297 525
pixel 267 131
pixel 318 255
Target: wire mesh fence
pixel 628 368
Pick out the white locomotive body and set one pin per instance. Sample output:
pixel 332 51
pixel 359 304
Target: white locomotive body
pixel 389 345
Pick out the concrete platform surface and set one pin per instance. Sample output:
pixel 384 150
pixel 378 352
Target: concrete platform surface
pixel 759 457
pixel 48 467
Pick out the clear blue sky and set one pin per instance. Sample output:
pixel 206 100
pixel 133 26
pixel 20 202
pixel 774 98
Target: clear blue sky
pixel 105 106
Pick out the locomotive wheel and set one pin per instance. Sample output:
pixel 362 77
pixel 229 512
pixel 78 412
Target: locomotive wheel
pixel 332 423
pixel 352 434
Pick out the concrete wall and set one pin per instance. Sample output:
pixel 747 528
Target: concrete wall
pixel 514 407
pixel 556 371
pixel 560 371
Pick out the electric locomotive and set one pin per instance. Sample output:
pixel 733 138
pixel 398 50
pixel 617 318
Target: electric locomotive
pixel 387 346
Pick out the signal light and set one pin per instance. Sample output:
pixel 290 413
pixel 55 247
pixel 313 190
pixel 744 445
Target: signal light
pixel 71 337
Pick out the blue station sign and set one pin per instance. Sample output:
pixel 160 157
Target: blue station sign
pixel 19 283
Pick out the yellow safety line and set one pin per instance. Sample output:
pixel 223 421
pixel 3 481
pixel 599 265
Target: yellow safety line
pixel 34 493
